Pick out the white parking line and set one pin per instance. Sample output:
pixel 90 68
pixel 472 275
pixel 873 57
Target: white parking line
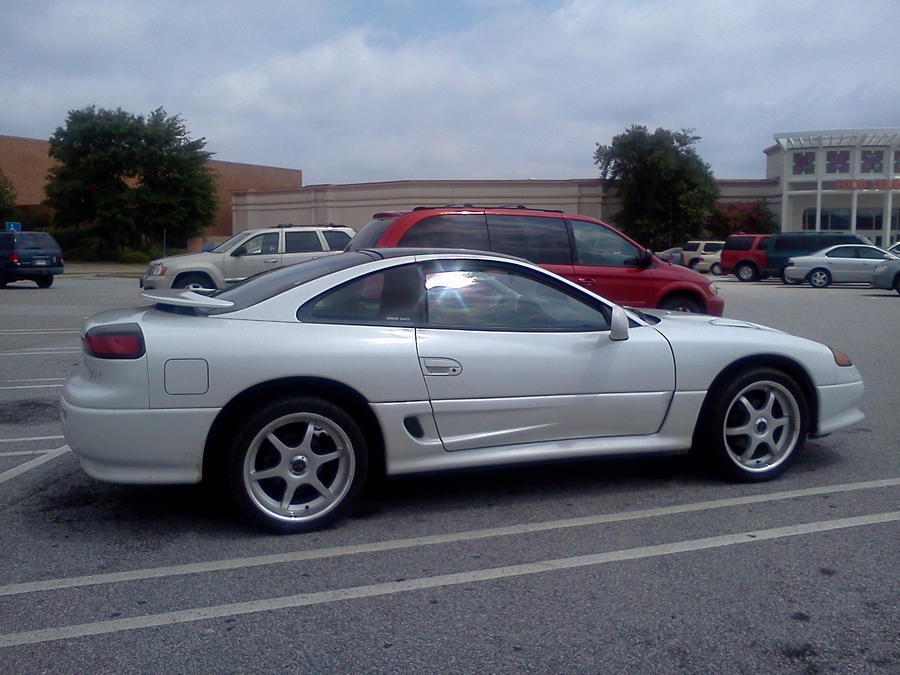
pixel 39 331
pixel 42 351
pixel 430 540
pixel 440 581
pixel 32 386
pixel 28 466
pixel 29 439
pixel 38 379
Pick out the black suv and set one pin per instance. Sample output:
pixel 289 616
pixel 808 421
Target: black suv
pixel 34 256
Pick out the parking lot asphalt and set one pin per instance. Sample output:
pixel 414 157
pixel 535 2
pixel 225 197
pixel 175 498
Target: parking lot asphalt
pixel 603 566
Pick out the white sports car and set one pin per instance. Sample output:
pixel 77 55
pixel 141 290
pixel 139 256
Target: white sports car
pixel 290 386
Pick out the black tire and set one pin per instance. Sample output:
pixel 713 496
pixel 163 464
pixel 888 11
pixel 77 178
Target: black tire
pixel 716 269
pixel 746 272
pixel 819 278
pixel 784 279
pixel 693 263
pixel 307 445
pixel 192 281
pixel 681 303
pixel 757 424
pixel 897 284
pixel 44 282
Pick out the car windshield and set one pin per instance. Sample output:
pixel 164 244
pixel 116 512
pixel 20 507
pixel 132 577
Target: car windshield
pixel 268 284
pixel 225 245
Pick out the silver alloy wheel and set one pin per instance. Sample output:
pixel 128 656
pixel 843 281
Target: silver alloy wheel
pixel 745 273
pixel 716 269
pixel 819 278
pixel 762 426
pixel 299 467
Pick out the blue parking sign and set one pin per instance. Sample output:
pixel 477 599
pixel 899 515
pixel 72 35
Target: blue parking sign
pixel 13 226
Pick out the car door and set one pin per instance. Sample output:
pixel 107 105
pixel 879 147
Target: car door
pixel 512 357
pixel 869 258
pixel 843 264
pixel 608 264
pixel 257 254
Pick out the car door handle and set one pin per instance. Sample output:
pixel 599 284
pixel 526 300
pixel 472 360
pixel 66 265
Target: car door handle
pixel 439 366
pixel 585 281
pixel 270 260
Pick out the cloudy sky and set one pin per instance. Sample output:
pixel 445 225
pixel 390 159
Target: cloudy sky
pixel 354 91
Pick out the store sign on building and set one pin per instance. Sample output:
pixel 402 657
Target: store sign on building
pixel 877 184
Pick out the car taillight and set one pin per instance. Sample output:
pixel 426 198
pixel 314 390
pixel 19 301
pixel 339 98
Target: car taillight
pixel 13 257
pixel 121 341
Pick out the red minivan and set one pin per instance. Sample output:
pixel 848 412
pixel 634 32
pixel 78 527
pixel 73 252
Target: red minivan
pixel 582 249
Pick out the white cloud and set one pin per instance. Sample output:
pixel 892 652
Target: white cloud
pixel 480 89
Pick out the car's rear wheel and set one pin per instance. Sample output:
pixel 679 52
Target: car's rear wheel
pixel 819 278
pixel 897 284
pixel 192 282
pixel 716 269
pixel 746 272
pixel 298 464
pixel 44 282
pixel 758 424
pixel 681 303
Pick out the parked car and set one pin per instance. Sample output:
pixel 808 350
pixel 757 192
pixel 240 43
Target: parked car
pixel 781 247
pixel 581 249
pixel 246 254
pixel 693 250
pixel 887 275
pixel 670 255
pixel 845 263
pixel 288 388
pixel 29 256
pixel 895 249
pixel 744 255
pixel 709 262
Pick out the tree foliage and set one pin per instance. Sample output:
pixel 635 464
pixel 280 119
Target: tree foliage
pixel 742 218
pixel 130 178
pixel 8 209
pixel 667 192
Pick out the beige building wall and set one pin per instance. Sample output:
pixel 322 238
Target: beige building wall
pixel 354 204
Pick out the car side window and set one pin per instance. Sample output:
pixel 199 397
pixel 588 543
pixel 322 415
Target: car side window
pixel 302 242
pixel 261 244
pixel 872 253
pixel 390 297
pixel 336 239
pixel 842 252
pixel 491 297
pixel 542 240
pixel 452 230
pixel 598 245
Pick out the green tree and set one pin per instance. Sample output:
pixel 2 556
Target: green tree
pixel 742 217
pixel 130 178
pixel 667 192
pixel 8 209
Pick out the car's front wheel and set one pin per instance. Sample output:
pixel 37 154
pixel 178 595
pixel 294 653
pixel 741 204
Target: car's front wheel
pixel 758 424
pixel 298 464
pixel 819 278
pixel 897 284
pixel 193 282
pixel 681 303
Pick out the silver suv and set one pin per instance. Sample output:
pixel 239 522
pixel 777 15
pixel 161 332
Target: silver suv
pixel 246 254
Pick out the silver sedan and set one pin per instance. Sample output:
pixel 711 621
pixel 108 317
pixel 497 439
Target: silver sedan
pixel 292 387
pixel 887 275
pixel 845 263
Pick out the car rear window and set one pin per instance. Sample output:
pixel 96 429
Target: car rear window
pixel 691 246
pixel 370 233
pixel 712 247
pixel 37 240
pixel 268 284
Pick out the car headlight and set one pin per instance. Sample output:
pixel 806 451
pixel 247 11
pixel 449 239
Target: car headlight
pixel 156 269
pixel 713 289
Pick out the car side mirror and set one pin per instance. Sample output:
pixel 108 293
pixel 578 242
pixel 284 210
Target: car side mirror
pixel 645 258
pixel 618 324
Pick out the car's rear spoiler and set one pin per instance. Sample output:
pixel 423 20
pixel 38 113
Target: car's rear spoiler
pixel 183 298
